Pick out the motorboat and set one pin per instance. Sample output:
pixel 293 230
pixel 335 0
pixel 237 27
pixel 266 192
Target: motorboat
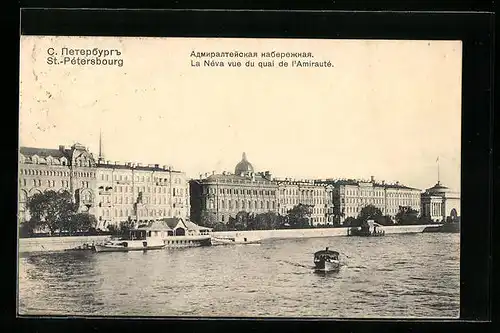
pixel 326 260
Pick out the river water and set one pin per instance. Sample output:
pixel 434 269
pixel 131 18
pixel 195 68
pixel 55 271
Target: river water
pixel 406 275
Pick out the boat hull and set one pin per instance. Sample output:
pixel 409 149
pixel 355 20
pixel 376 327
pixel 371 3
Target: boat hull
pixel 118 248
pixel 324 265
pixel 231 241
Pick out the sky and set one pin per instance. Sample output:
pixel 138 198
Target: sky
pixel 386 109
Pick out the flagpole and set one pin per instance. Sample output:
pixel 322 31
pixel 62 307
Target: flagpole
pixel 438 169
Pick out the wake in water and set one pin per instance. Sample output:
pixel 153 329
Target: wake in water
pixel 342 264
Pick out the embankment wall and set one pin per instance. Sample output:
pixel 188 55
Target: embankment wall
pixel 49 244
pixel 316 232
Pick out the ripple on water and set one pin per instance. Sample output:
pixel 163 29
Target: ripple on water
pixel 381 278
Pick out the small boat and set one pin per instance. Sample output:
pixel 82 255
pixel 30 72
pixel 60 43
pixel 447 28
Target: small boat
pixel 326 260
pixel 367 229
pixel 84 247
pixel 233 240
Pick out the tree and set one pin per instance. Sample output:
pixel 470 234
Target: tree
pixel 385 220
pixel 242 221
pixel 220 227
pixel 369 212
pixel 208 219
pixel 407 215
pixel 266 221
pixel 351 222
pixel 126 226
pixel 27 228
pixel 298 216
pixel 51 209
pixel 113 229
pixel 80 222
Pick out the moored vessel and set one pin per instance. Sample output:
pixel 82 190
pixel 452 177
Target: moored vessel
pixel 156 235
pixel 367 229
pixel 238 239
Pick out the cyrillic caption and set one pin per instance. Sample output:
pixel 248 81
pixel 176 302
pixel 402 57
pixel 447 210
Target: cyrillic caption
pixel 256 59
pixel 84 57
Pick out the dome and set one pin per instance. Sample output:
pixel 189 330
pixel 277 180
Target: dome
pixel 438 188
pixel 244 166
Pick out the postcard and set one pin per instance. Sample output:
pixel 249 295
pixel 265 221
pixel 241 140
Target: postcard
pixel 239 177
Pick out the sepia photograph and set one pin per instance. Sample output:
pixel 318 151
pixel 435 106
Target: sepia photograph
pixel 239 177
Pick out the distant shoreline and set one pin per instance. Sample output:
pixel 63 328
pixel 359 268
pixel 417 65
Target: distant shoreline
pixel 61 243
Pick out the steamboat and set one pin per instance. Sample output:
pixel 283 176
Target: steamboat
pixel 160 234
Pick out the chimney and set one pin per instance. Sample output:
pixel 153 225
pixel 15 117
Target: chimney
pixel 383 182
pixel 157 166
pixel 61 148
pixel 372 179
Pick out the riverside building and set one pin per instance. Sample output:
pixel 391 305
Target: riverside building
pixel 65 169
pixel 441 204
pixel 318 196
pixel 350 196
pixel 113 192
pixel 221 196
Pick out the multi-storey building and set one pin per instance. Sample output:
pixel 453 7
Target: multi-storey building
pixel 317 195
pixel 113 192
pixel 350 196
pixel 441 204
pixel 64 169
pixel 224 195
pixel 139 193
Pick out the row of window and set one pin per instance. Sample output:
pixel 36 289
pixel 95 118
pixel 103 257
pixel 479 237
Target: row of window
pixel 230 204
pixel 176 191
pixel 106 177
pixel 54 161
pixel 48 160
pixel 212 190
pixel 398 202
pixel 48 183
pixel 146 200
pixel 317 192
pixel 56 173
pixel 140 212
pixel 382 194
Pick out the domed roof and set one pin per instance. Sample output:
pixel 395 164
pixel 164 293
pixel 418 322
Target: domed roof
pixel 243 166
pixel 438 188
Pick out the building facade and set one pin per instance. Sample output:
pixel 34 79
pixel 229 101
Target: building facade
pixel 318 196
pixel 350 196
pixel 112 192
pixel 441 204
pixel 65 169
pixel 139 193
pixel 221 196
